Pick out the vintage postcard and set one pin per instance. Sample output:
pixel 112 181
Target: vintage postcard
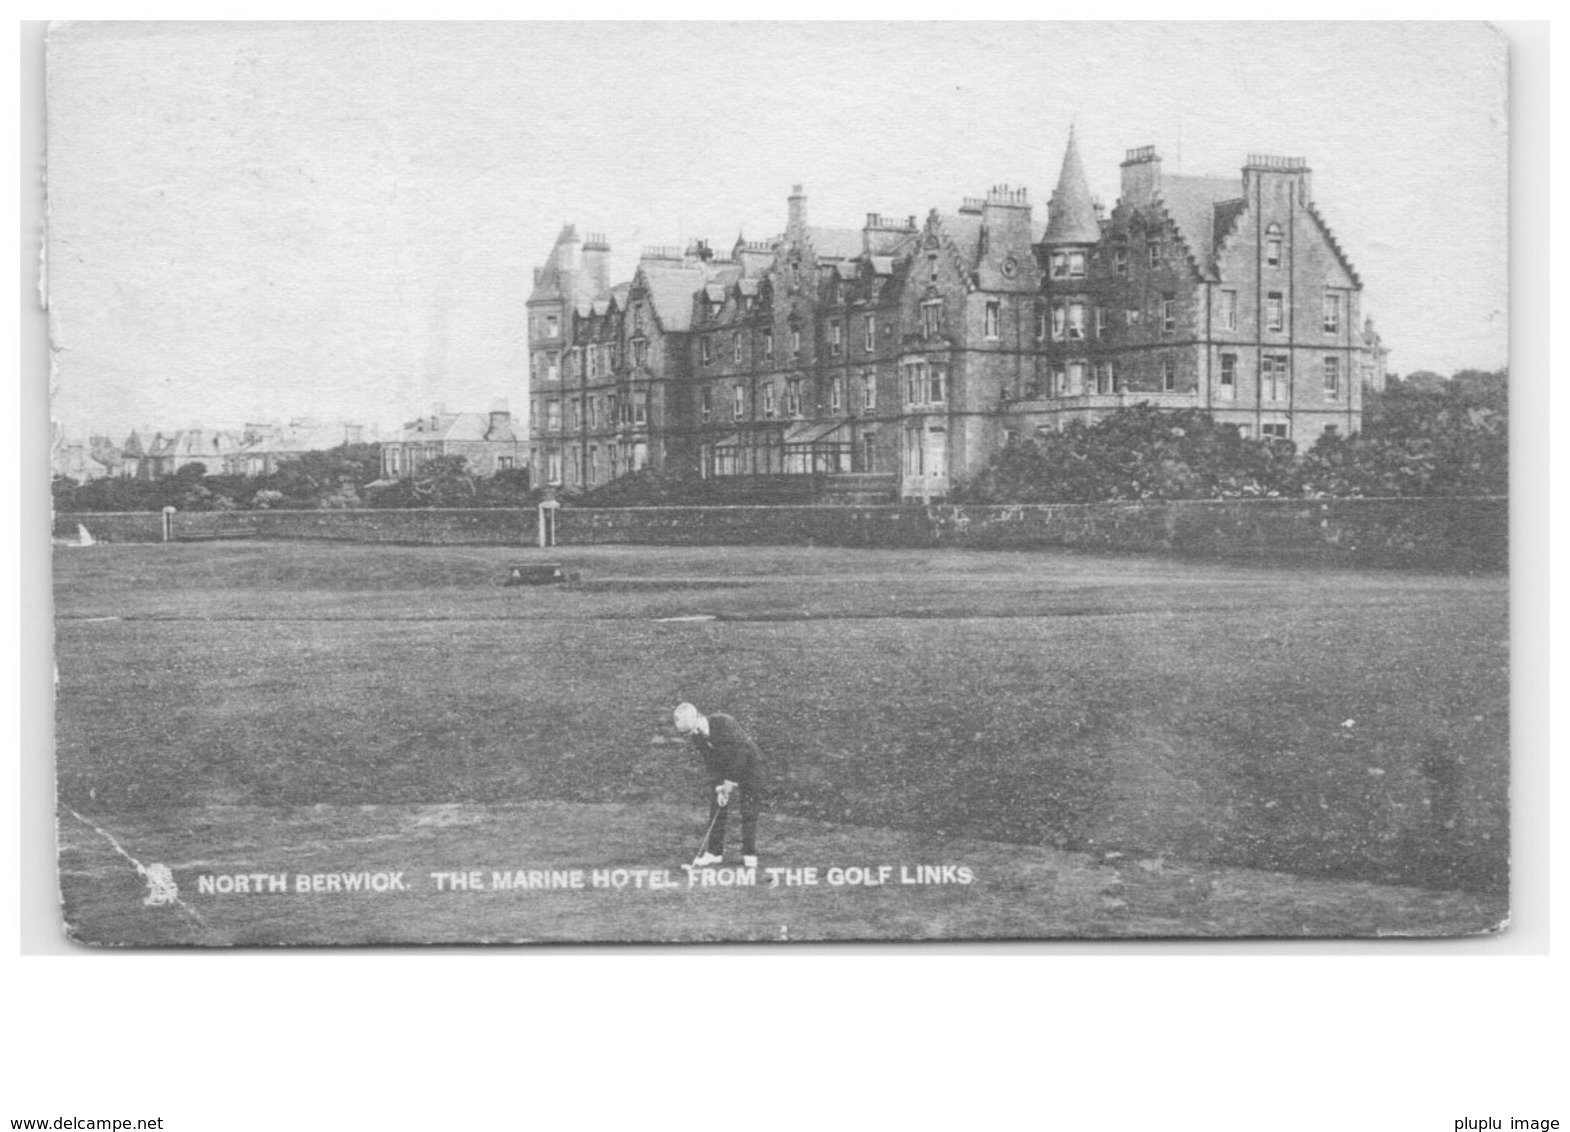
pixel 778 482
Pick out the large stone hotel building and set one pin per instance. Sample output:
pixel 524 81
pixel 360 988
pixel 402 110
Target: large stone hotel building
pixel 911 350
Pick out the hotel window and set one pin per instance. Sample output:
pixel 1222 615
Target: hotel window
pixel 1332 314
pixel 1169 376
pixel 707 405
pixel 1332 379
pixel 768 344
pixel 1228 310
pixel 1168 313
pixel 552 326
pixel 736 349
pixel 574 414
pixel 936 393
pixel 1154 250
pixel 1076 320
pixel 932 267
pixel 1059 263
pixel 1101 322
pixel 738 407
pixel 1059 322
pixel 1106 378
pixel 990 326
pixel 1120 259
pixel 1275 377
pixel 869 332
pixel 768 400
pixel 1060 382
pixel 553 415
pixel 553 466
pixel 929 318
pixel 1273 431
pixel 869 390
pixel 1273 246
pixel 703 344
pixel 552 366
pixel 592 472
pixel 836 396
pixel 1131 316
pixel 1076 265
pixel 793 397
pixel 594 362
pixel 1228 377
pixel 1076 377
pixel 640 408
pixel 795 341
pixel 1275 318
pixel 836 338
pixel 640 352
pixel 1041 322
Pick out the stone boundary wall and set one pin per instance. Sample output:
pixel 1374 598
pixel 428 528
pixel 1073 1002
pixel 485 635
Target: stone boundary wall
pixel 479 526
pixel 1436 534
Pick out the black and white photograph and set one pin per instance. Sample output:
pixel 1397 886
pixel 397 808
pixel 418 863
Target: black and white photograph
pixel 779 483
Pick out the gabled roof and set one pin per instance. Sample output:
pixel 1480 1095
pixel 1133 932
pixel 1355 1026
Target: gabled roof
pixel 964 230
pixel 671 287
pixel 835 243
pixel 1071 214
pixel 458 426
pixel 1192 203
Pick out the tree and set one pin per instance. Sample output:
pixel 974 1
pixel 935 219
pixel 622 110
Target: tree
pixel 1136 453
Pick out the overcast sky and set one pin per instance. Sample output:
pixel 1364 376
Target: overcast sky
pixel 252 222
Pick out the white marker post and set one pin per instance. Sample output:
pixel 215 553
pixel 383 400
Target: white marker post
pixel 168 524
pixel 547 524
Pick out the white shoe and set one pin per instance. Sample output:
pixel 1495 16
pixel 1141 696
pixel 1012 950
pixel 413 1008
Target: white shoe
pixel 750 861
pixel 704 860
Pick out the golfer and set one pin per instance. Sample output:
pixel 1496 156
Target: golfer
pixel 734 768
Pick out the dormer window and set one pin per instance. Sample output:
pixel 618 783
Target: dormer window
pixel 1076 265
pixel 1120 260
pixel 1059 265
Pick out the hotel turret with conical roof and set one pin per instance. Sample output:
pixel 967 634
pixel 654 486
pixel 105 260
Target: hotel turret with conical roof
pixel 894 359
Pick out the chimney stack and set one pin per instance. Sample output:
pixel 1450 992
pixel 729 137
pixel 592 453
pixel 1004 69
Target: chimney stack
pixel 1141 176
pixel 597 263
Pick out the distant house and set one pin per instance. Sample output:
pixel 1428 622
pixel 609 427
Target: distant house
pixel 82 458
pixel 486 440
pixel 265 446
pixel 167 454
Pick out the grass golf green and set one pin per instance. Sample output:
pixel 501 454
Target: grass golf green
pixel 1112 746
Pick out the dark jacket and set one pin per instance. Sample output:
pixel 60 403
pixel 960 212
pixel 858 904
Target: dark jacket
pixel 729 752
